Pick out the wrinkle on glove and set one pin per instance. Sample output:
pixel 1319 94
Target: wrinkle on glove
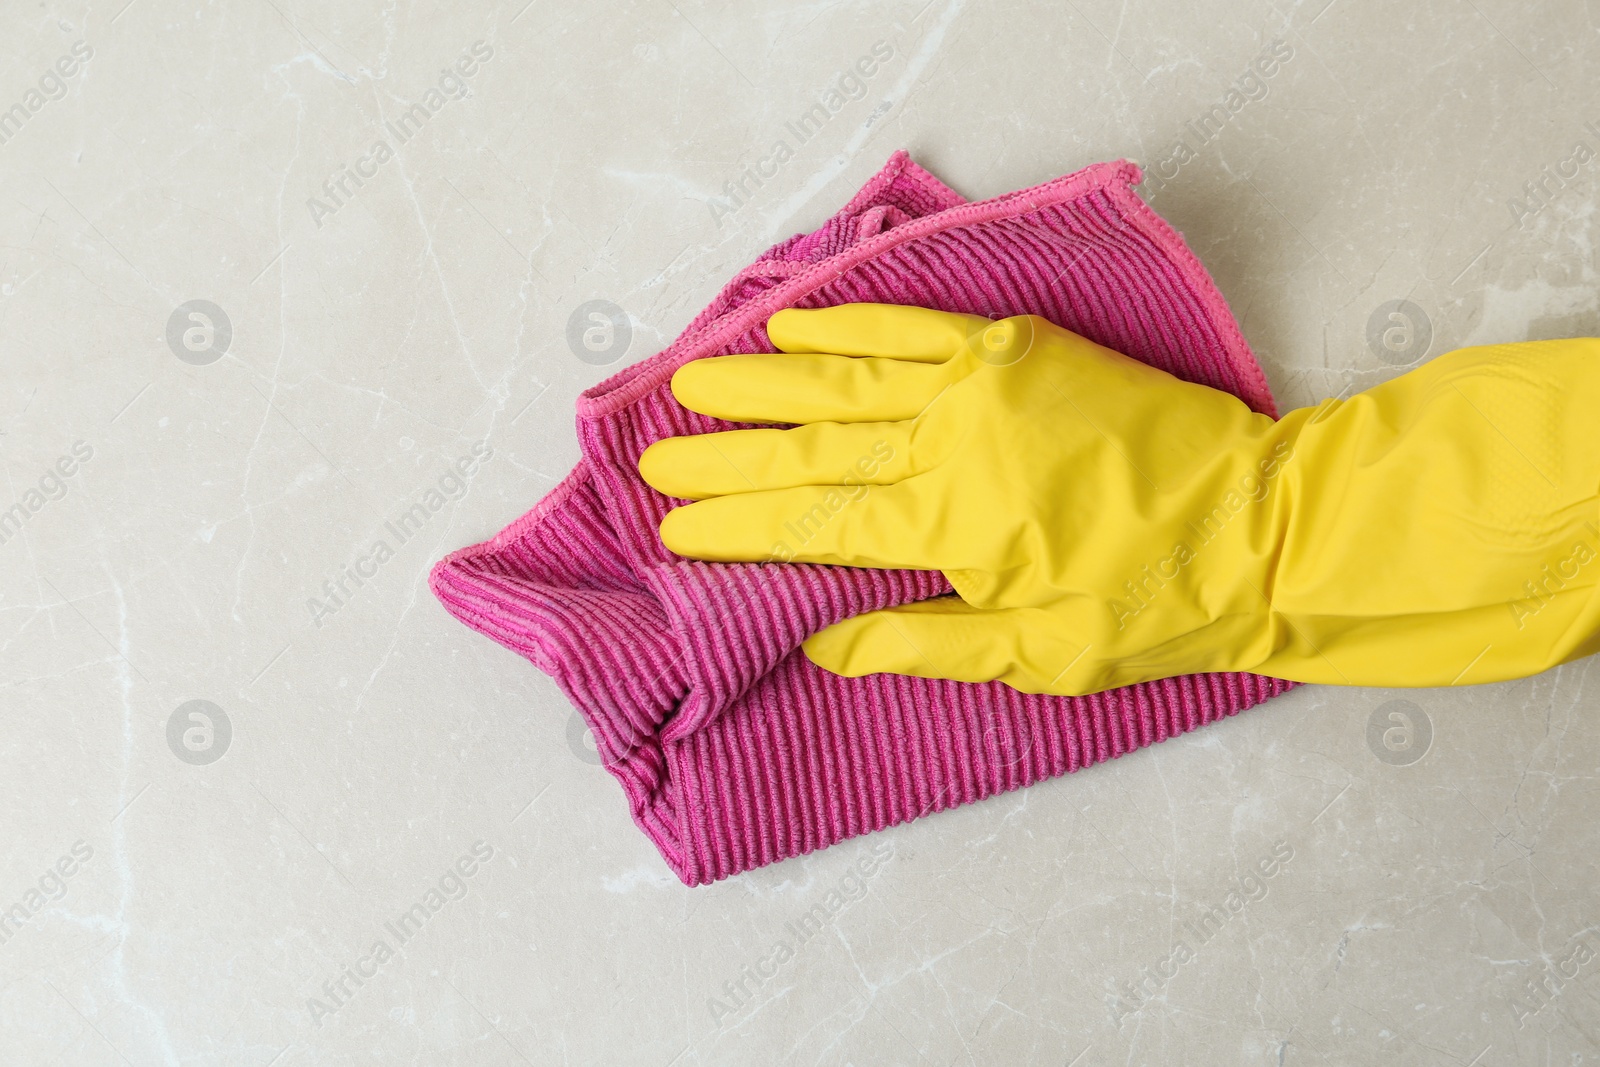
pixel 734 750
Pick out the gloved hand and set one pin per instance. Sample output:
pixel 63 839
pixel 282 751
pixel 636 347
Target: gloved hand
pixel 1105 523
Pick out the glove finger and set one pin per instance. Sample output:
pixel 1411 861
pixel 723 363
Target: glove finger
pixel 742 461
pixel 843 525
pixel 948 638
pixel 808 387
pixel 893 331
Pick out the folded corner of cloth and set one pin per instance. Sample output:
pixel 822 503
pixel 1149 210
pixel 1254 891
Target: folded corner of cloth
pixel 734 750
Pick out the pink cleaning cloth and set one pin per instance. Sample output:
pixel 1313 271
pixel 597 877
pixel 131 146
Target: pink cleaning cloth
pixel 734 750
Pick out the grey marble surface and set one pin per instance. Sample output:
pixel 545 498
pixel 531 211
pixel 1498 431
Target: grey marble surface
pixel 188 485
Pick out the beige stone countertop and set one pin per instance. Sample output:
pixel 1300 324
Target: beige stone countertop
pixel 224 360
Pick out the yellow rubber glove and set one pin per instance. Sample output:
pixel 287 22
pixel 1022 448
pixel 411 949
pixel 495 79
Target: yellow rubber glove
pixel 1105 523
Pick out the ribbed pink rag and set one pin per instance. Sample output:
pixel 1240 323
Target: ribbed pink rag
pixel 733 749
